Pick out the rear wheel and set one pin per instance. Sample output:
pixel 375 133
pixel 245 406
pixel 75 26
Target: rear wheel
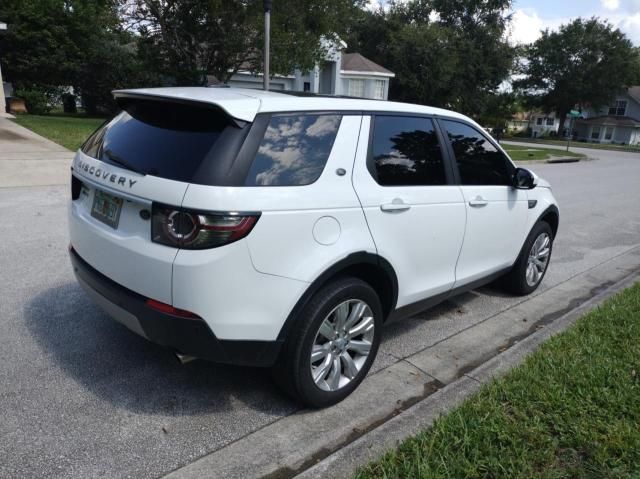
pixel 531 266
pixel 332 345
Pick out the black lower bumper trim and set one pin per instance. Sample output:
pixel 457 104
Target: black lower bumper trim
pixel 192 337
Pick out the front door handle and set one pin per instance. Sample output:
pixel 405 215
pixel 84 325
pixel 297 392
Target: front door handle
pixel 396 206
pixel 478 202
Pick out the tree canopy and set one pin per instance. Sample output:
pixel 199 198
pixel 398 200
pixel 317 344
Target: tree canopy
pixel 188 39
pixel 585 63
pixel 54 44
pixel 448 53
pixel 445 53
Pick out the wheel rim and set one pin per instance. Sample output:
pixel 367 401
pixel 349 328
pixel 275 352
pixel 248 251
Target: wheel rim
pixel 538 259
pixel 342 345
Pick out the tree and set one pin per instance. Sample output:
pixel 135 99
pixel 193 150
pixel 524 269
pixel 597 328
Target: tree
pixel 189 39
pixel 55 44
pixel 444 53
pixel 584 63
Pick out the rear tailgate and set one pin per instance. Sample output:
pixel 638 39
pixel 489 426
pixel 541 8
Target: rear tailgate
pixel 123 251
pixel 149 153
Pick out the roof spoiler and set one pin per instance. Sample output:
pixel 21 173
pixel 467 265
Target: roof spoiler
pixel 123 97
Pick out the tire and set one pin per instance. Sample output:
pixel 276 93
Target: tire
pixel 294 371
pixel 520 279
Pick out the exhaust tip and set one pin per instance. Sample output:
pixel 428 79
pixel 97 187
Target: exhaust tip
pixel 183 358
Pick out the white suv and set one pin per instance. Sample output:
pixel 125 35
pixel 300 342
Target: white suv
pixel 263 229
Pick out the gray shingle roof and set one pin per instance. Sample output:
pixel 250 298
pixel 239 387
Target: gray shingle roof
pixel 611 121
pixel 358 63
pixel 634 92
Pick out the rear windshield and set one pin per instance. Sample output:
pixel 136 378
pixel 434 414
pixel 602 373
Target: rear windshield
pixel 182 142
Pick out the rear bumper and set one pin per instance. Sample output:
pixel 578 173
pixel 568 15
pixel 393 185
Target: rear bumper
pixel 188 336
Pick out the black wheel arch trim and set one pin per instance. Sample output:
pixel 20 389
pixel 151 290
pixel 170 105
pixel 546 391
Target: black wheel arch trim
pixel 554 210
pixel 361 258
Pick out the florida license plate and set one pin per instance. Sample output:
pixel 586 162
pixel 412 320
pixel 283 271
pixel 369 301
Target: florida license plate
pixel 106 208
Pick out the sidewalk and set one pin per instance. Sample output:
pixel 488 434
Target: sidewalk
pixel 27 159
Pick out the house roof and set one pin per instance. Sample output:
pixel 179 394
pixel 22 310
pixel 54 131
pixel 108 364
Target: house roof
pixel 354 63
pixel 634 92
pixel 611 120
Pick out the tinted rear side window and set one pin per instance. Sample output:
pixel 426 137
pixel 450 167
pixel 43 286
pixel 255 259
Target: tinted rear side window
pixel 175 141
pixel 479 162
pixel 406 152
pixel 294 150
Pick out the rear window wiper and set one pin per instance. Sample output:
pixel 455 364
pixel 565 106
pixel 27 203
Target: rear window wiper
pixel 124 163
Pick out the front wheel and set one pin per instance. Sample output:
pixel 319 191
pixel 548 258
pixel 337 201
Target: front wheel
pixel 332 345
pixel 531 266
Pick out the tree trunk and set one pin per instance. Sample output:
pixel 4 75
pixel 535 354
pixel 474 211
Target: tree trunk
pixel 563 117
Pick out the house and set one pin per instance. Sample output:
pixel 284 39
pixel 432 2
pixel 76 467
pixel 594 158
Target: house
pixel 340 73
pixel 537 123
pixel 543 124
pixel 618 123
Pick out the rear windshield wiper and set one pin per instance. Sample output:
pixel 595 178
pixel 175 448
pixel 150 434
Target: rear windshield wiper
pixel 124 163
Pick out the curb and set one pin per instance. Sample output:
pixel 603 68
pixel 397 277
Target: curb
pixel 420 416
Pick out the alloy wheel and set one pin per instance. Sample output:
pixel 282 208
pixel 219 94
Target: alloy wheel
pixel 538 259
pixel 342 345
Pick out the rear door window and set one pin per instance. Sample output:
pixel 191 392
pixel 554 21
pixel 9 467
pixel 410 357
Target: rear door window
pixel 406 152
pixel 183 142
pixel 294 150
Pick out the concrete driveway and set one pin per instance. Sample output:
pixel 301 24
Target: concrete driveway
pixel 27 159
pixel 81 396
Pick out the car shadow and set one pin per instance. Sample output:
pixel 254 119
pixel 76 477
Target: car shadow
pixel 130 372
pixel 450 307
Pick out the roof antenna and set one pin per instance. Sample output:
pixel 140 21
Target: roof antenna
pixel 267 39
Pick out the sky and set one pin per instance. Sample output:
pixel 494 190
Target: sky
pixel 531 16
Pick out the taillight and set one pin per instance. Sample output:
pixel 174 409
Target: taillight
pixel 189 229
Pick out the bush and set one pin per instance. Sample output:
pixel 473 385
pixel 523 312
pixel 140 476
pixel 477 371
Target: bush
pixel 523 133
pixel 39 101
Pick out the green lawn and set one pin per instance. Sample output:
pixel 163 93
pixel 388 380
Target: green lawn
pixel 571 410
pixel 577 144
pixel 525 153
pixel 68 131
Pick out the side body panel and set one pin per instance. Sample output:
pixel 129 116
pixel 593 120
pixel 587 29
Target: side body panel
pixel 495 232
pixel 247 289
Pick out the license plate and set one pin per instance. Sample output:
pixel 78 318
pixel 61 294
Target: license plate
pixel 106 208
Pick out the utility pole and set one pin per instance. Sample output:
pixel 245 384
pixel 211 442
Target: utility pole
pixel 3 28
pixel 267 40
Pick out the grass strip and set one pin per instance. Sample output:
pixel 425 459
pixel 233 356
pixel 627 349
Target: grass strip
pixel 526 153
pixel 68 131
pixel 571 410
pixel 577 144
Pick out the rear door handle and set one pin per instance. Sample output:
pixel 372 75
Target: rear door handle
pixel 396 206
pixel 478 202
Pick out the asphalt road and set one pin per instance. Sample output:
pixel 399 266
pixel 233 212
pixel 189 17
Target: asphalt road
pixel 81 396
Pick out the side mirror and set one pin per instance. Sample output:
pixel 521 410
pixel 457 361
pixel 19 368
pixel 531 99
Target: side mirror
pixel 523 179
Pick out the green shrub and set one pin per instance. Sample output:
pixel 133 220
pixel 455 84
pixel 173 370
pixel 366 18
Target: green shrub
pixel 39 101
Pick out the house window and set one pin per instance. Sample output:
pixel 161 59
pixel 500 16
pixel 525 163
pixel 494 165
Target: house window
pixel 608 133
pixel 539 121
pixel 619 108
pixel 595 133
pixel 378 89
pixel 356 88
pixel 550 121
pixel 306 86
